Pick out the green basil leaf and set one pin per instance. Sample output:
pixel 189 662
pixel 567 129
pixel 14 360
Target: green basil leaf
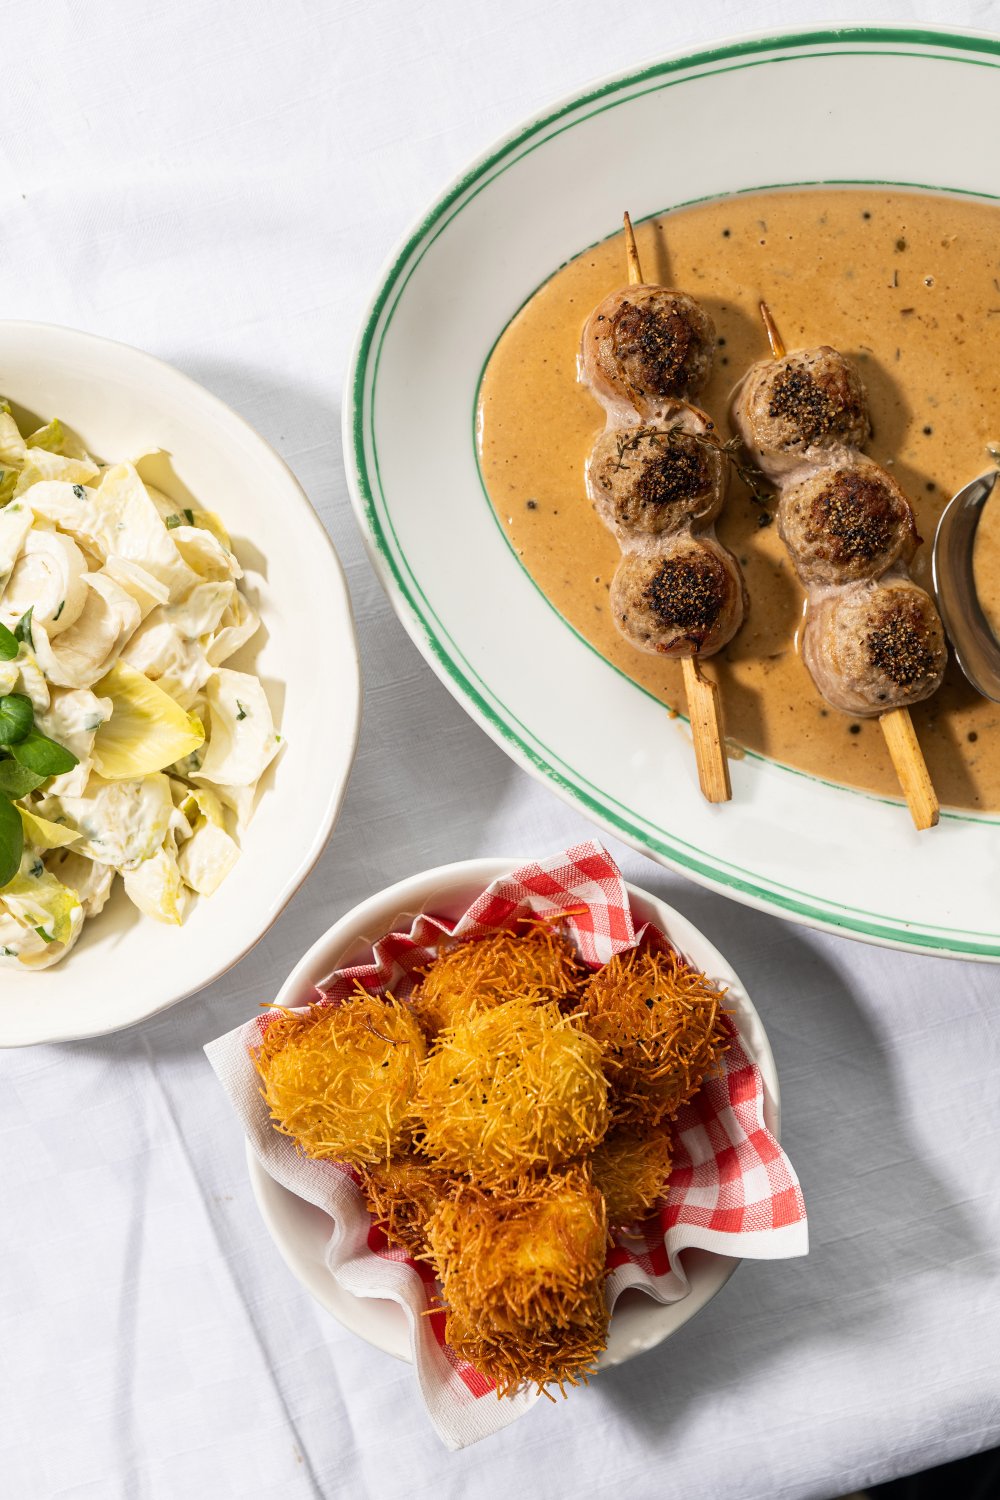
pixel 42 755
pixel 22 630
pixel 17 781
pixel 16 718
pixel 8 644
pixel 11 841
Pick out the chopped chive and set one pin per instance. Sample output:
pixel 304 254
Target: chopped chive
pixel 22 630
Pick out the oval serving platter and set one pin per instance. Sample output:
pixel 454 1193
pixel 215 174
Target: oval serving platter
pixel 870 106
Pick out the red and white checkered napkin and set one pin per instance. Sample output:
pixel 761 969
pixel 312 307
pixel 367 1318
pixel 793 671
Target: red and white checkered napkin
pixel 732 1189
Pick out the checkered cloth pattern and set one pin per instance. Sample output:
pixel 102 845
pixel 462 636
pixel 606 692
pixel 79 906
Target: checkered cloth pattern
pixel 732 1189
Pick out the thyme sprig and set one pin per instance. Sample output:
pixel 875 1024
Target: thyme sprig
pixel 732 451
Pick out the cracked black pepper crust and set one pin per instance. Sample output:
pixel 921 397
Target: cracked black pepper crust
pixel 846 523
pixel 875 647
pixel 686 600
pixel 812 399
pixel 651 480
pixel 647 345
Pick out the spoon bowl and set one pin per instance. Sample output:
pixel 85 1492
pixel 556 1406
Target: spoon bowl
pixel 977 649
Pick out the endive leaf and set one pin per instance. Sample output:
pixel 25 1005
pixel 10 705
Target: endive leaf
pixel 41 834
pixel 147 729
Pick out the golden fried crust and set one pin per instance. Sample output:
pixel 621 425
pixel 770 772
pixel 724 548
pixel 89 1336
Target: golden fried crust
pixel 527 1253
pixel 522 1272
pixel 539 1355
pixel 484 972
pixel 511 1089
pixel 340 1078
pixel 631 1171
pixel 402 1195
pixel 661 1029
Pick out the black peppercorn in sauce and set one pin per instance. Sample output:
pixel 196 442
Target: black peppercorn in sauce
pixel 922 327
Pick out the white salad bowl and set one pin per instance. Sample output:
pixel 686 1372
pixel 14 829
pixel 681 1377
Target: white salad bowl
pixel 301 1231
pixel 122 403
pixel 855 105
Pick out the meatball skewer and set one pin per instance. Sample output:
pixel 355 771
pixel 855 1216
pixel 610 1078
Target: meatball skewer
pixel 655 482
pixel 872 641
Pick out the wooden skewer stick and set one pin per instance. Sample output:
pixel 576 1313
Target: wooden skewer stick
pixel 632 255
pixel 897 726
pixel 774 338
pixel 703 700
pixel 910 766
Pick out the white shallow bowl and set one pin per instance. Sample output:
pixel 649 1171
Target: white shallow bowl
pixel 855 105
pixel 122 402
pixel 301 1231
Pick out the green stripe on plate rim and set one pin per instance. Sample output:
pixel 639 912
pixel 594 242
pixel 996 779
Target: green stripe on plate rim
pixel 709 869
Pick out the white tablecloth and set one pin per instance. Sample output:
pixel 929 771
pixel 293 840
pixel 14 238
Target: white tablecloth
pixel 219 183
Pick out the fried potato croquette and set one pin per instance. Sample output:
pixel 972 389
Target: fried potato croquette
pixel 522 1273
pixel 661 1028
pixel 340 1079
pixel 537 1355
pixel 631 1170
pixel 402 1195
pixel 484 972
pixel 509 1090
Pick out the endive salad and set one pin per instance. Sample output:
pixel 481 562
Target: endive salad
pixel 127 747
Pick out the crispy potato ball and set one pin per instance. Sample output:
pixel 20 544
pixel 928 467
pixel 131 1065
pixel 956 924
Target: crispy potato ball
pixel 661 1028
pixel 484 972
pixel 537 1355
pixel 511 1089
pixel 340 1079
pixel 522 1272
pixel 402 1196
pixel 630 1170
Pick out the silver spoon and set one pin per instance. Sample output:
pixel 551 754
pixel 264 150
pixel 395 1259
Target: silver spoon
pixel 977 649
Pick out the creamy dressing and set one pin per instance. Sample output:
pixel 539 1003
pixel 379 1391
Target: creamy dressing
pixel 908 286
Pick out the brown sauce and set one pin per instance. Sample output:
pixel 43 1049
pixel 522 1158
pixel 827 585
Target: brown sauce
pixel 908 286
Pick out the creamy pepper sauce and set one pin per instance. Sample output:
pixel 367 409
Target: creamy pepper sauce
pixel 908 286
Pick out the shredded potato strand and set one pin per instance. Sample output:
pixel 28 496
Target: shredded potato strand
pixel 340 1078
pixel 522 1272
pixel 662 1030
pixel 631 1171
pixel 484 972
pixel 513 1088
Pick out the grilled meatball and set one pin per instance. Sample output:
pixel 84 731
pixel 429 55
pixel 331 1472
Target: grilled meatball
pixel 650 480
pixel 875 647
pixel 647 345
pixel 804 404
pixel 687 600
pixel 845 523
